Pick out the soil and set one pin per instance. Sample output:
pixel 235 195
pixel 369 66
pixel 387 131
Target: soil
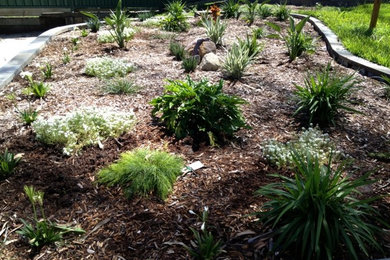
pixel 148 228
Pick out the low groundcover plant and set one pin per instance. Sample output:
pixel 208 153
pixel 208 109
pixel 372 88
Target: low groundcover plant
pixel 143 171
pixel 83 127
pixel 106 67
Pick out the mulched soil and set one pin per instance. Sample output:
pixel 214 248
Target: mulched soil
pixel 147 228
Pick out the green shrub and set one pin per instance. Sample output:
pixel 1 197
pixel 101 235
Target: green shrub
pixel 297 42
pixel 264 11
pixel 311 141
pixel 282 13
pixel 314 214
pixel 146 15
pixel 118 21
pixel 93 22
pixel 143 171
pixel 190 63
pixel 175 20
pixel 199 110
pixel 251 8
pixel 231 9
pixel 43 231
pixel 119 86
pixel 82 128
pixel 109 36
pixel 8 162
pixel 250 43
pixel 177 50
pixel 204 246
pixel 386 86
pixel 236 61
pixel 214 29
pixel 106 67
pixel 324 95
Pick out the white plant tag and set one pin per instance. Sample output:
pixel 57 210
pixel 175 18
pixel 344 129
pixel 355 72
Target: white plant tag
pixel 193 167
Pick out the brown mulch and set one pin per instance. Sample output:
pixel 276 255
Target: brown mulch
pixel 147 228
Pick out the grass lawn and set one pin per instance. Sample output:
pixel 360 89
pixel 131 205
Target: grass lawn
pixel 351 25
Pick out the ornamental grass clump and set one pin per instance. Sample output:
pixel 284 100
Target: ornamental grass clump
pixel 236 62
pixel 83 127
pixel 251 8
pixel 324 95
pixel 282 13
pixel 119 86
pixel 199 110
pixel 190 63
pixel 177 50
pixel 106 67
pixel 316 213
pixel 310 141
pixel 250 43
pixel 215 29
pixel 142 172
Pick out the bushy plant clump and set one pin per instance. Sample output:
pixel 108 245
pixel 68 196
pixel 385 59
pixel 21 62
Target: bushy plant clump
pixel 142 172
pixel 106 67
pixel 282 13
pixel 264 11
pixel 215 29
pixel 231 9
pixel 190 63
pixel 236 62
pixel 310 141
pixel 315 213
pixel 175 20
pixel 109 36
pixel 119 86
pixel 177 50
pixel 251 8
pixel 93 22
pixel 199 110
pixel 37 89
pixel 84 127
pixel 297 42
pixel 8 162
pixel 324 94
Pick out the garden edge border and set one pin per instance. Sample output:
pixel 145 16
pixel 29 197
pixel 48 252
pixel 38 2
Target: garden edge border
pixel 14 66
pixel 343 56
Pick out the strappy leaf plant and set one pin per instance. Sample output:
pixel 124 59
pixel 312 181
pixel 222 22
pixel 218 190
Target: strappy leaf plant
pixel 231 9
pixel 8 162
pixel 118 21
pixel 93 22
pixel 215 29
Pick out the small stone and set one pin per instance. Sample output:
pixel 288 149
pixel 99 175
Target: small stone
pixel 201 47
pixel 207 47
pixel 210 62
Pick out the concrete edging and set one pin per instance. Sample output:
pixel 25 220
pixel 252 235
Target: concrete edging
pixel 18 62
pixel 341 55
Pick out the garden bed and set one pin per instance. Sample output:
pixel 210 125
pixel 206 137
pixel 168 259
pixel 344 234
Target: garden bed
pixel 146 228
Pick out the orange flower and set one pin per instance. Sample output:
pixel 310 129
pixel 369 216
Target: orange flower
pixel 215 11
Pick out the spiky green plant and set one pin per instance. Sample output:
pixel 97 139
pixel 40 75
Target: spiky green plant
pixel 214 29
pixel 119 86
pixel 236 61
pixel 250 13
pixel 177 50
pixel 47 71
pixel 315 213
pixel 231 9
pixel 250 43
pixel 175 20
pixel 37 89
pixel 264 11
pixel 324 94
pixel 93 22
pixel 282 13
pixel 28 115
pixel 190 63
pixel 258 32
pixel 118 21
pixel 8 162
pixel 142 172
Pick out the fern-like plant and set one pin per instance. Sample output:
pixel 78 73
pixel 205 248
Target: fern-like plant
pixel 142 172
pixel 215 29
pixel 315 213
pixel 199 110
pixel 297 42
pixel 323 95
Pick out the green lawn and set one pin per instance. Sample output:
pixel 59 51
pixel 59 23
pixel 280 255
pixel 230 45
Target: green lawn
pixel 351 26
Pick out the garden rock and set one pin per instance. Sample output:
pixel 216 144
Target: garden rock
pixel 201 47
pixel 210 62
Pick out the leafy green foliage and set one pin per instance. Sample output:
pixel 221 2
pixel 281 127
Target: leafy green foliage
pixel 37 89
pixel 315 213
pixel 143 171
pixel 108 36
pixel 282 13
pixel 199 109
pixel 106 67
pixel 175 20
pixel 258 33
pixel 177 50
pixel 93 22
pixel 297 42
pixel 204 246
pixel 88 126
pixel 84 33
pixel 310 141
pixel 8 162
pixel 250 43
pixel 250 13
pixel 323 95
pixel 28 115
pixel 47 71
pixel 386 86
pixel 264 11
pixel 119 86
pixel 145 15
pixel 231 9
pixel 66 58
pixel 42 231
pixel 215 29
pixel 190 63
pixel 236 61
pixel 118 21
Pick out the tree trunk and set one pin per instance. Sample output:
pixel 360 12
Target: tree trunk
pixel 375 14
